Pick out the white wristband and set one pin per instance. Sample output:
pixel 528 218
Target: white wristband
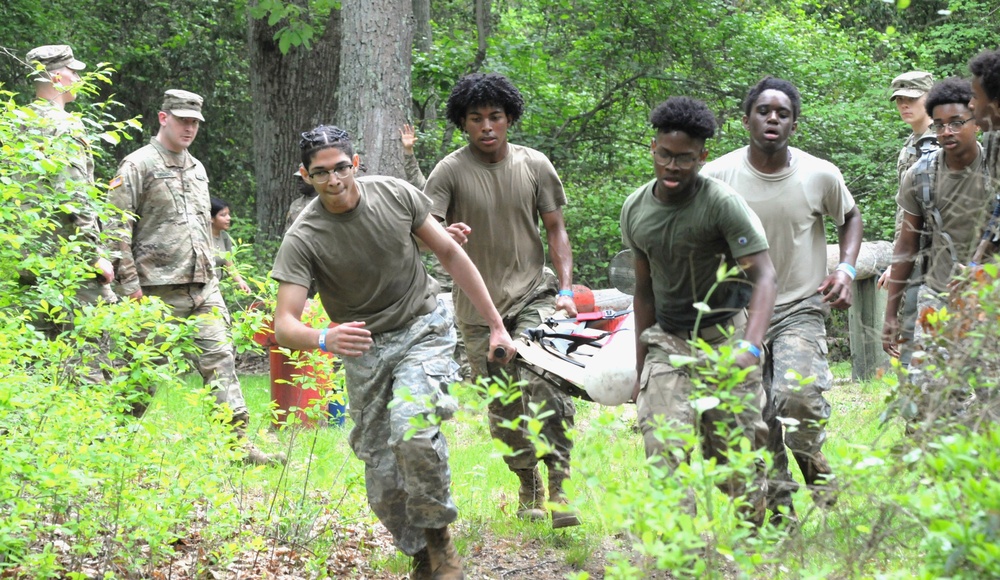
pixel 322 340
pixel 847 269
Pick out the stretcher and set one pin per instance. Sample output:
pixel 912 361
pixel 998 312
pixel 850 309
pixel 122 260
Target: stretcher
pixel 591 357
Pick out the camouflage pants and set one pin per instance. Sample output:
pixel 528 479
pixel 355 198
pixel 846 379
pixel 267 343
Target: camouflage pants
pixel 535 390
pixel 85 366
pixel 796 341
pixel 216 362
pixel 665 398
pixel 408 480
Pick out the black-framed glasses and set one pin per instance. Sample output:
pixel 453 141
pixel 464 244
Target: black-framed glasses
pixel 954 126
pixel 342 172
pixel 683 161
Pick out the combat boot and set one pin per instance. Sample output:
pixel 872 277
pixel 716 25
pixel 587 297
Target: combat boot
pixel 445 562
pixel 819 478
pixel 254 456
pixel 531 495
pixel 562 517
pixel 421 569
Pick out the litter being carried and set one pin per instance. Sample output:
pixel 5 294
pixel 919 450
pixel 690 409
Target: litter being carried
pixel 591 356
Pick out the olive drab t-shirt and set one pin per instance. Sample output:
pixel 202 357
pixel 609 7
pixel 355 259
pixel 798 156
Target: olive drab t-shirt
pixel 365 262
pixel 963 201
pixel 167 238
pixel 223 247
pixel 791 204
pixel 501 203
pixel 686 243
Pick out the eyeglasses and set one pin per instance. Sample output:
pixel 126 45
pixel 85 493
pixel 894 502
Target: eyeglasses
pixel 685 161
pixel 342 172
pixel 954 126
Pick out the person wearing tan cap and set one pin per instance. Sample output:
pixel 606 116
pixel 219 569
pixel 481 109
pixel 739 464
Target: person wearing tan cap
pixel 67 146
pixel 909 91
pixel 166 249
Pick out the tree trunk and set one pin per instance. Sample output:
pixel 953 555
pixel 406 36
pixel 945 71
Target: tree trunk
pixel 423 41
pixel 374 89
pixel 291 93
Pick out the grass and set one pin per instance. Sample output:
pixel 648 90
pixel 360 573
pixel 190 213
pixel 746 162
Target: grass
pixel 324 477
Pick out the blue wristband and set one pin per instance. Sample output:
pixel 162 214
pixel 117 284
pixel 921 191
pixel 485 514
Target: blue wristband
pixel 566 293
pixel 749 347
pixel 322 340
pixel 847 269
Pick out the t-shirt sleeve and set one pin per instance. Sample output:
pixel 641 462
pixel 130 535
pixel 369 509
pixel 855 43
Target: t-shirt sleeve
pixel 293 263
pixel 906 197
pixel 438 189
pixel 838 199
pixel 741 227
pixel 420 204
pixel 551 194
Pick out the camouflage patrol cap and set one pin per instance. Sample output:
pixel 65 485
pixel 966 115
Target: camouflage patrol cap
pixel 913 84
pixel 182 104
pixel 54 57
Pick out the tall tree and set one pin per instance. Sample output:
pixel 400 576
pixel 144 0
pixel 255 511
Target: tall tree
pixel 374 90
pixel 292 91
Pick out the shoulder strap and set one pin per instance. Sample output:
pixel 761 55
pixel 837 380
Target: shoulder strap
pixel 926 175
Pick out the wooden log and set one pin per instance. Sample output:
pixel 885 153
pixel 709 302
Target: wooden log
pixel 873 258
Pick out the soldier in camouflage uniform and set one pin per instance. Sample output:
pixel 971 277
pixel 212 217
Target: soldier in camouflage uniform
pixel 358 243
pixel 54 79
pixel 791 192
pixel 166 248
pixel 909 91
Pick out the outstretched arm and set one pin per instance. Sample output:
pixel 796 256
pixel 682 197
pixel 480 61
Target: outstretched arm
pixel 561 256
pixel 760 272
pixel 347 339
pixel 902 266
pixel 837 287
pixel 465 274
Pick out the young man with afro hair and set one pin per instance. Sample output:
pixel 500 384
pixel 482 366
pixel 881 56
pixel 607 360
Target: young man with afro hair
pixel 681 227
pixel 491 193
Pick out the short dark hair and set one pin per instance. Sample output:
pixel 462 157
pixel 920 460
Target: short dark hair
pixel 950 90
pixel 478 89
pixel 324 137
pixel 769 83
pixel 217 206
pixel 986 66
pixel 686 115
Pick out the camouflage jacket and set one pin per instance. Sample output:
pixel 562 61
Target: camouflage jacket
pixel 67 144
pixel 167 236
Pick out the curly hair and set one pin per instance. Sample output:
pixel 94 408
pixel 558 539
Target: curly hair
pixel 478 89
pixel 950 90
pixel 986 66
pixel 324 137
pixel 684 114
pixel 769 83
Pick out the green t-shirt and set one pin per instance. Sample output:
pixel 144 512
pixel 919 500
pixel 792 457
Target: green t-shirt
pixel 963 201
pixel 365 262
pixel 686 243
pixel 501 203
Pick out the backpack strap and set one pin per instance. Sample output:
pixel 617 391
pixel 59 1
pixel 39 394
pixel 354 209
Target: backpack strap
pixel 926 177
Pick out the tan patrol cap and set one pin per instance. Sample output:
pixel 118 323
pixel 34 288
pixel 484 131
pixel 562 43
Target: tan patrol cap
pixel 913 84
pixel 182 104
pixel 54 57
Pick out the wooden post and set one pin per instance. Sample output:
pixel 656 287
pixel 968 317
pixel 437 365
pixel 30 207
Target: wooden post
pixel 867 315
